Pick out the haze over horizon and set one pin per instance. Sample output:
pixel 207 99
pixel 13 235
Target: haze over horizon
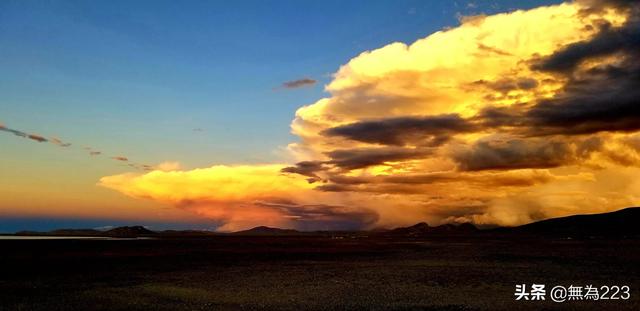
pixel 307 116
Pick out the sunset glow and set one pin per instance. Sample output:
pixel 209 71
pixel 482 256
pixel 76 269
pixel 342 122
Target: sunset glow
pixel 504 119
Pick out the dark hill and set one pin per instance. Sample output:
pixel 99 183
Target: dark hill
pixel 133 231
pixel 620 223
pixel 423 229
pixel 186 233
pixel 263 230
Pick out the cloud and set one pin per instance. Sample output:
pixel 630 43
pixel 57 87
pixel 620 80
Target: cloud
pixel 608 41
pixel 600 95
pixel 417 183
pixel 37 138
pixel 169 166
pixel 57 141
pixel 505 154
pixel 490 49
pixel 306 168
pixel 471 19
pixel 351 159
pixel 14 132
pixel 92 152
pixel 34 137
pixel 344 160
pixel 294 84
pixel 426 130
pixel 505 119
pixel 325 217
pixel 504 86
pixel 242 197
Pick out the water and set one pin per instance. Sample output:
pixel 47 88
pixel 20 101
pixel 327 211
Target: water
pixel 13 237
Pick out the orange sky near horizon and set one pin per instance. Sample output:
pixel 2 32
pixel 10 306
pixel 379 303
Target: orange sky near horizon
pixel 503 120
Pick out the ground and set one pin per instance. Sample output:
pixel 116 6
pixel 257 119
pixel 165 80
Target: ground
pixel 303 273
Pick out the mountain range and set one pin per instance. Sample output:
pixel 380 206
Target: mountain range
pixel 621 223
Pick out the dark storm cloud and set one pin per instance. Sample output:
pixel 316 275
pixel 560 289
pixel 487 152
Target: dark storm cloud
pixel 364 157
pixel 608 41
pixel 506 85
pixel 513 154
pixel 595 6
pixel 419 179
pixel 324 217
pixel 596 99
pixel 379 188
pixel 351 180
pixel 427 130
pixel 585 108
pixel 351 159
pixel 615 109
pixel 349 183
pixel 415 183
pixel 497 179
pixel 335 188
pixel 601 98
pixel 507 154
pixel 306 168
pixel 511 116
pixel 299 83
pixel 605 101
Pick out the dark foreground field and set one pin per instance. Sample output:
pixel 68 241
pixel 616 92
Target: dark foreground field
pixel 299 273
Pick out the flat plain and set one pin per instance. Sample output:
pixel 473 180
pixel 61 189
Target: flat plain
pixel 310 272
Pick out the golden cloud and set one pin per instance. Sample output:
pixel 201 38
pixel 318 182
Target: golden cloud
pixel 505 119
pixel 240 196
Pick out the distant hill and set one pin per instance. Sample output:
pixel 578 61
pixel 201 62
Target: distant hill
pixel 63 232
pixel 622 223
pixel 625 222
pixel 133 231
pixel 263 230
pixel 423 229
pixel 186 233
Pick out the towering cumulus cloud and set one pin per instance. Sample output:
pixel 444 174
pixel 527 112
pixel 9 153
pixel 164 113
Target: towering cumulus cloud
pixel 504 120
pixel 243 196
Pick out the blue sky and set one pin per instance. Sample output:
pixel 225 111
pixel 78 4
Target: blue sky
pixel 135 78
pixel 139 76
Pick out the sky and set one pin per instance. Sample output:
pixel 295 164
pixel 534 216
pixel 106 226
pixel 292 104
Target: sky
pixel 315 115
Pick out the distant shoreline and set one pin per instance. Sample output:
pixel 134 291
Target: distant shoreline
pixel 54 237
